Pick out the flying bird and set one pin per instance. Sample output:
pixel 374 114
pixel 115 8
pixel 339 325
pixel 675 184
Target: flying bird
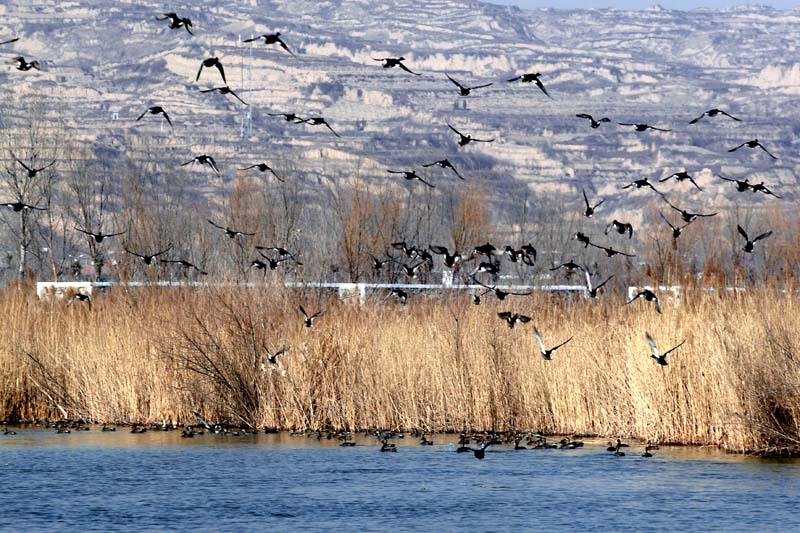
pixel 400 295
pixel 99 236
pixel 212 62
pixel 308 321
pixel 741 185
pixel 288 117
pixel 644 182
pixel 641 127
pixel 156 110
pixel 620 227
pixel 185 264
pixel 15 39
pixel 282 252
pixel 224 91
pixel 686 215
pixel 148 259
pixel 231 233
pixel 676 230
pixel 511 320
pixel 24 65
pixel 582 238
pixel 748 247
pixel 760 187
pixel 590 209
pixel 411 175
pixel 713 113
pixel 610 252
pixel 203 159
pixel 547 354
pixel 80 297
pixel 753 144
pixel 531 78
pixel 592 291
pixel 464 140
pixel 499 293
pixel 390 62
pixel 660 358
pixel 20 206
pixel 444 163
pixel 271 38
pixel 263 167
pixel 681 176
pixel 570 267
pixel 594 123
pixel 272 358
pixel 318 121
pixel 451 260
pixel 649 296
pixel 463 90
pixel 177 22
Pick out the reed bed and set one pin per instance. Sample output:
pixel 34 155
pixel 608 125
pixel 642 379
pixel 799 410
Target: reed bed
pixel 438 364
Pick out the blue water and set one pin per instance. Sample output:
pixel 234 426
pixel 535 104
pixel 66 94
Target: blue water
pixel 93 481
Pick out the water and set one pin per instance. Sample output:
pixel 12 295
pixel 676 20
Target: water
pixel 93 481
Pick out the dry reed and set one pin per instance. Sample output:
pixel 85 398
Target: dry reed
pixel 439 363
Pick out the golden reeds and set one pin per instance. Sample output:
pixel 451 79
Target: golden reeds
pixel 439 363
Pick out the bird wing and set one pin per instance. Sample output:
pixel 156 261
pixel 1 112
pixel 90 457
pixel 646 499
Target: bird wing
pixel 141 116
pixel 730 116
pixel 626 124
pixel 762 236
pixel 114 234
pixel 332 131
pixel 652 344
pixel 455 130
pixel 162 252
pixel 283 45
pixel 691 179
pixel 586 200
pixel 167 117
pixel 253 39
pixel 237 97
pixel 188 25
pixel 586 116
pixel 726 179
pixel 734 149
pixel 441 250
pixel 505 315
pixel 454 81
pixel 216 225
pixel 673 348
pixel 134 253
pixel 481 86
pixel 667 221
pixel 517 79
pixel 218 64
pixel 317 314
pixel 402 66
pixel 541 86
pixel 200 71
pixel 588 280
pixel 483 140
pixel 524 319
pixel 767 151
pixel 539 340
pixel 303 311
pixel 432 186
pixel 609 278
pixel 556 347
pixel 696 120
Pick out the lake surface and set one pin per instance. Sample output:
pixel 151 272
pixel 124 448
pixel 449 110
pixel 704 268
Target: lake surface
pixel 97 481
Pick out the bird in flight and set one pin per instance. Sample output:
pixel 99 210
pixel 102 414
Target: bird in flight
pixel 547 354
pixel 15 39
pixel 620 227
pixel 594 123
pixel 570 267
pixel 755 143
pixel 176 22
pixel 317 121
pixel 224 91
pixel 713 113
pixel 308 321
pixel 610 252
pixel 741 185
pixel 590 209
pixel 750 244
pixel 212 62
pixel 24 65
pixel 99 236
pixel 390 62
pixel 156 110
pixel 760 187
pixel 32 172
pixel 499 293
pixel 676 230
pixel 288 117
pixel 641 127
pixel 148 259
pixel 185 264
pixel 681 176
pixel 512 319
pixel 203 159
pixel 464 140
pixel 444 163
pixel 644 182
pixel 685 215
pixel 463 90
pixel 263 167
pixel 271 38
pixel 272 358
pixel 20 206
pixel 592 291
pixel 582 238
pixel 231 233
pixel 660 358
pixel 410 175
pixel 649 296
pixel 531 78
pixel 451 260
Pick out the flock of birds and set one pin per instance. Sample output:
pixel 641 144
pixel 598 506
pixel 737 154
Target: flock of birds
pixel 481 440
pixel 410 259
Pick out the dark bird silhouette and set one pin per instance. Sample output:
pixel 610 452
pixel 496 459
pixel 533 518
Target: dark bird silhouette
pixel 99 236
pixel 463 90
pixel 753 144
pixel 760 187
pixel 224 91
pixel 20 206
pixel 185 264
pixel 590 209
pixel 593 291
pixel 263 167
pixel 547 354
pixel 272 358
pixel 499 293
pixel 464 140
pixel 647 449
pixel 282 252
pixel 521 254
pixel 681 176
pixel 24 65
pixel 644 182
pixel 411 175
pixel 529 252
pixel 444 163
pixel 390 62
pixel 271 38
pixel 212 62
pixel 488 249
pixel 713 113
pixel 620 227
pixel 377 264
pixel 318 121
pixel 583 239
pixel 686 215
pixel 512 319
pixel 273 263
pixel 177 22
pixel 611 252
pixel 676 230
pixel 288 117
pixel 451 260
pixel 388 447
pixel 410 251
pixel 595 123
pixel 231 233
pixel 531 78
pixel 741 185
pixel 400 295
pixel 410 271
pixel 156 110
pixel 642 127
pixel 616 447
pixel 649 296
pixel 308 321
pixel 203 159
pixel 660 358
pixel 148 259
pixel 749 244
pixel 80 297
pixel 15 39
pixel 570 267
pixel 479 453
